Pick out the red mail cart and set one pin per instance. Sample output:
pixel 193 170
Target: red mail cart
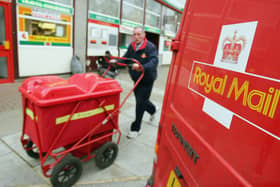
pixel 79 115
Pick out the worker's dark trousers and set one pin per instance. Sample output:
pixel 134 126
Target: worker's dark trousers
pixel 142 94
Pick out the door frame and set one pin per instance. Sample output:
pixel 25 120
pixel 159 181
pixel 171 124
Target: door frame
pixel 8 53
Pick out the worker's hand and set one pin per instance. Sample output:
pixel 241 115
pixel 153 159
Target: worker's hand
pixel 113 61
pixel 136 67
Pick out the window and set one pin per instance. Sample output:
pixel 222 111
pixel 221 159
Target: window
pixel 65 2
pixel 133 12
pixel 3 68
pixel 169 20
pixel 179 17
pixel 112 40
pixel 138 3
pixel 153 6
pixel 108 7
pixel 42 28
pixel 39 26
pixel 2 26
pixel 152 20
pixel 125 40
pixel 153 10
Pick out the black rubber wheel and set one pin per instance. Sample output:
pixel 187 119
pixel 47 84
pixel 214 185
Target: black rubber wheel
pixel 33 153
pixel 66 172
pixel 150 182
pixel 106 155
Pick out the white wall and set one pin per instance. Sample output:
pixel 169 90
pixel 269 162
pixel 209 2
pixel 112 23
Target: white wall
pixel 101 52
pixel 39 60
pixel 166 57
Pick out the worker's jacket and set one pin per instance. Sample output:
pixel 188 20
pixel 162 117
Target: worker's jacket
pixel 147 56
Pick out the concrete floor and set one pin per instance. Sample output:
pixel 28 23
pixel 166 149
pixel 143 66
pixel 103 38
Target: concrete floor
pixel 131 168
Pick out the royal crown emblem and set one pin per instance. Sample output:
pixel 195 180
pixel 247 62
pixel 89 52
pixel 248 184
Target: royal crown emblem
pixel 232 48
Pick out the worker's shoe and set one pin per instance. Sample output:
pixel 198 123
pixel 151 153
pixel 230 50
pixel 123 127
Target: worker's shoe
pixel 153 116
pixel 133 134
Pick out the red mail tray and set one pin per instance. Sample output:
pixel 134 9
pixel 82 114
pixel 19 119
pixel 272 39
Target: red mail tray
pixel 50 101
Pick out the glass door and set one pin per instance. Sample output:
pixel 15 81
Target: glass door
pixel 6 55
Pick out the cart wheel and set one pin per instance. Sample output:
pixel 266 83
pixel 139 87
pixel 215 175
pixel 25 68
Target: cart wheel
pixel 66 172
pixel 150 182
pixel 106 155
pixel 33 153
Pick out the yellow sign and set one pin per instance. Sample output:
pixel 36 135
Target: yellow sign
pixel 44 28
pixel 173 180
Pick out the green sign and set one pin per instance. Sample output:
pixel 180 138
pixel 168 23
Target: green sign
pixel 46 5
pixel 44 43
pixel 104 18
pixel 152 29
pixel 130 24
pixel 123 47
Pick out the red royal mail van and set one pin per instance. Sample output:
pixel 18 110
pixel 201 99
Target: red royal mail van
pixel 220 122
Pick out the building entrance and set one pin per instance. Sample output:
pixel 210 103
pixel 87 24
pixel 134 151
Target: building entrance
pixel 6 55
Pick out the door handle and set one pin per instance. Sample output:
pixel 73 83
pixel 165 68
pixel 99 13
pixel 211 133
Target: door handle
pixel 6 45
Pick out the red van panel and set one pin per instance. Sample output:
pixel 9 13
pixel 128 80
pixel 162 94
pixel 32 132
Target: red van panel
pixel 220 117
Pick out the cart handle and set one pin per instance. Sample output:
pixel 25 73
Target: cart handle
pixel 132 60
pixel 129 65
